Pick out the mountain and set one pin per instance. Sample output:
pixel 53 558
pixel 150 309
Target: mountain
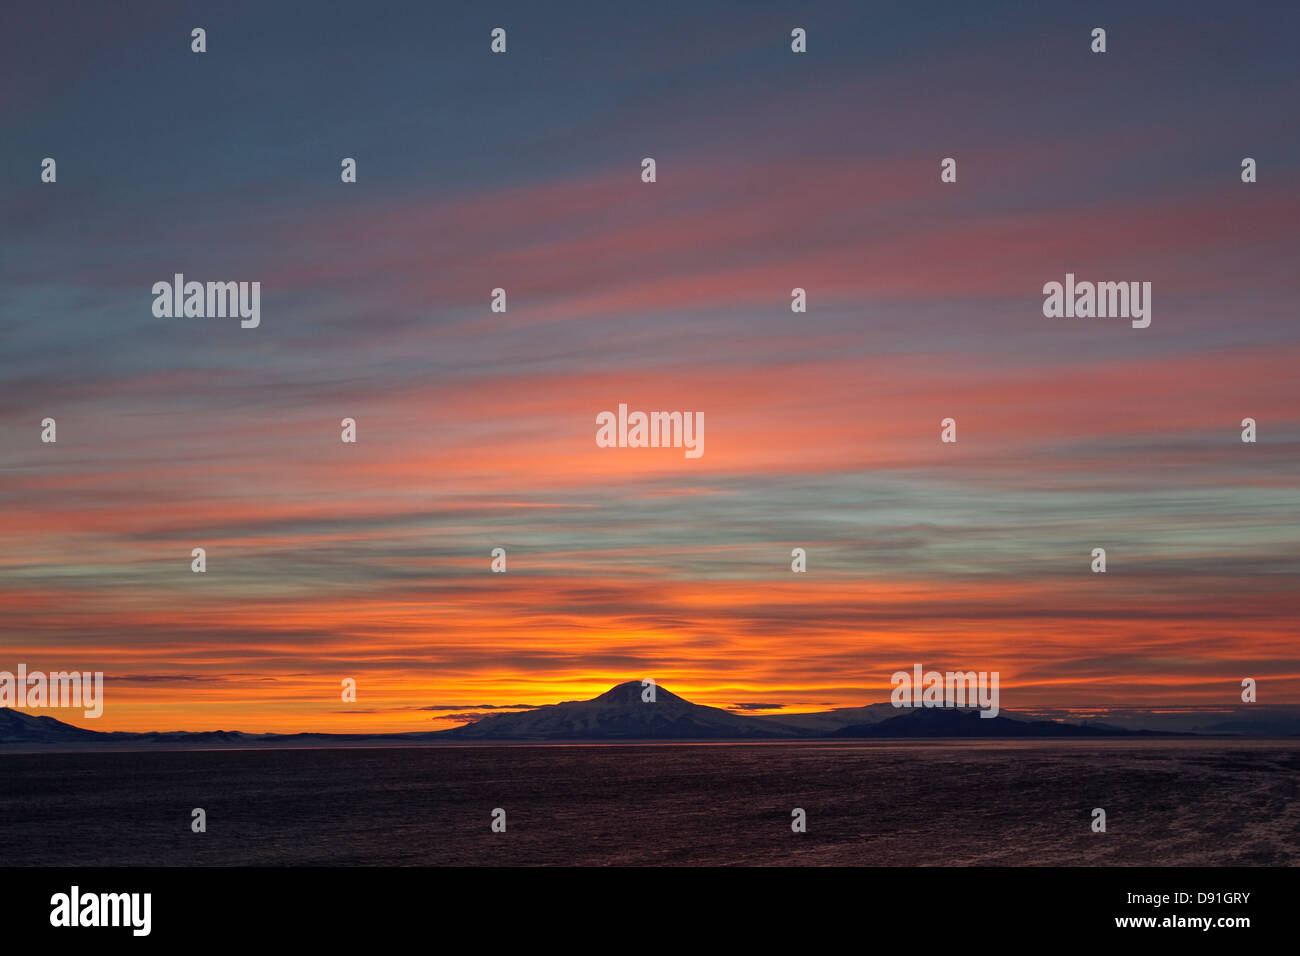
pixel 621 714
pixel 825 721
pixel 1287 725
pixel 1219 720
pixel 953 722
pixel 617 714
pixel 1247 720
pixel 18 727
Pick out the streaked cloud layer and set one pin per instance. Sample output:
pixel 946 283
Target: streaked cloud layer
pixel 476 429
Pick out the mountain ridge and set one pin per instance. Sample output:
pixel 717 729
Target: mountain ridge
pixel 621 714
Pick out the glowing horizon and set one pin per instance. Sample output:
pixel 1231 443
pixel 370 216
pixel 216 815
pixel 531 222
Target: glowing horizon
pixel 476 429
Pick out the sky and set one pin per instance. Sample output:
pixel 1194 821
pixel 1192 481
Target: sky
pixel 475 429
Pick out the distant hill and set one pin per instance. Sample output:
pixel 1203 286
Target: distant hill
pixel 1286 725
pixel 620 713
pixel 1239 719
pixel 953 722
pixel 19 727
pixel 825 721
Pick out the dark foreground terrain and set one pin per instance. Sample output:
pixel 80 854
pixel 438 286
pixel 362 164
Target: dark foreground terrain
pixel 1171 801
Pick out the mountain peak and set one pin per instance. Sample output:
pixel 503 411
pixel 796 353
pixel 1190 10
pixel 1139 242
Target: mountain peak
pixel 621 713
pixel 631 691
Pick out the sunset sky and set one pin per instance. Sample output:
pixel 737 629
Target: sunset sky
pixel 476 430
